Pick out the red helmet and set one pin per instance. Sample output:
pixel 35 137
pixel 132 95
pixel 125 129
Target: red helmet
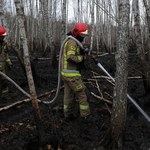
pixel 3 31
pixel 80 29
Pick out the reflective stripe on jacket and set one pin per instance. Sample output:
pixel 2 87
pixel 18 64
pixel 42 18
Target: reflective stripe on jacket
pixel 71 57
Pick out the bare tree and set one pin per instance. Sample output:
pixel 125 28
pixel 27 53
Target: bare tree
pixel 147 7
pixel 52 32
pixel 78 17
pixel 139 44
pixel 20 18
pixel 2 21
pixel 118 118
pixel 97 26
pixel 64 17
pixel 92 24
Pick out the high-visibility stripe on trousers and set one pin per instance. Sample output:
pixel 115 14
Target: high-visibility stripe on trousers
pixel 71 94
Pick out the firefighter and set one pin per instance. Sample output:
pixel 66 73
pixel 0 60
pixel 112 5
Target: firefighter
pixel 4 60
pixel 74 87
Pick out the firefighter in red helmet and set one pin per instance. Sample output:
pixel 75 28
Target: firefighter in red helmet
pixel 4 60
pixel 74 87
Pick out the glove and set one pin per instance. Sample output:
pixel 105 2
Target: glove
pixel 10 67
pixel 84 51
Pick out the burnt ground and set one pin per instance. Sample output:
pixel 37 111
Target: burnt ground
pixel 17 126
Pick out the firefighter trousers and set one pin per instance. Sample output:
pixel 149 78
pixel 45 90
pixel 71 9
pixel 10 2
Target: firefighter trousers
pixel 74 89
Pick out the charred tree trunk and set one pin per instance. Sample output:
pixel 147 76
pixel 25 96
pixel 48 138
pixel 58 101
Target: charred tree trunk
pixel 37 115
pixel 139 44
pixel 147 84
pixel 118 118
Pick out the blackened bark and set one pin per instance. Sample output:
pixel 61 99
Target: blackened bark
pixel 118 118
pixel 147 82
pixel 37 115
pixel 139 44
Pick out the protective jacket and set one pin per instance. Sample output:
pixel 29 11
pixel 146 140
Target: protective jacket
pixel 71 57
pixel 4 58
pixel 73 85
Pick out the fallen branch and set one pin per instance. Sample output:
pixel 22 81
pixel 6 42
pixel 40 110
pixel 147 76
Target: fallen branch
pixel 136 77
pixel 101 98
pixel 27 100
pixel 108 108
pixel 14 104
pixel 108 95
pixel 106 77
pixel 99 89
pixel 110 81
pixel 101 77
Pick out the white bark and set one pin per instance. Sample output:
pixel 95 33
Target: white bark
pixel 92 24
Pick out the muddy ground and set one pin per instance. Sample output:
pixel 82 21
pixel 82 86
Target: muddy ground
pixel 17 126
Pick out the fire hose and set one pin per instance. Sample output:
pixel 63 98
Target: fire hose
pixel 128 96
pixel 100 66
pixel 59 67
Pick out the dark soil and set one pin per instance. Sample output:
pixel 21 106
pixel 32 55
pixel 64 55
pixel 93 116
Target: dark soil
pixel 17 125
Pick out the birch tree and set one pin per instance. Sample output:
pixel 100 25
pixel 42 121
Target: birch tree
pixel 78 16
pixel 64 18
pixel 92 24
pixel 52 32
pixel 97 26
pixel 2 21
pixel 20 18
pixel 139 44
pixel 118 118
pixel 147 7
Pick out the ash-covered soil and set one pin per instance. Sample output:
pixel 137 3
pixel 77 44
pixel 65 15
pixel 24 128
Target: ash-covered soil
pixel 17 125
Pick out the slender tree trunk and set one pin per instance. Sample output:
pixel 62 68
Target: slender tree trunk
pixel 52 33
pixel 97 27
pixel 2 20
pixel 109 31
pixel 118 118
pixel 63 21
pixel 139 44
pixel 148 63
pixel 78 20
pixel 37 115
pixel 40 26
pixel 92 24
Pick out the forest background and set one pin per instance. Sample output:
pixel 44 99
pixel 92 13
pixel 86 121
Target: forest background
pixel 37 28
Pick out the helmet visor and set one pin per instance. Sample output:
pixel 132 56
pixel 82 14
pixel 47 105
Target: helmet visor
pixel 84 34
pixel 4 34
